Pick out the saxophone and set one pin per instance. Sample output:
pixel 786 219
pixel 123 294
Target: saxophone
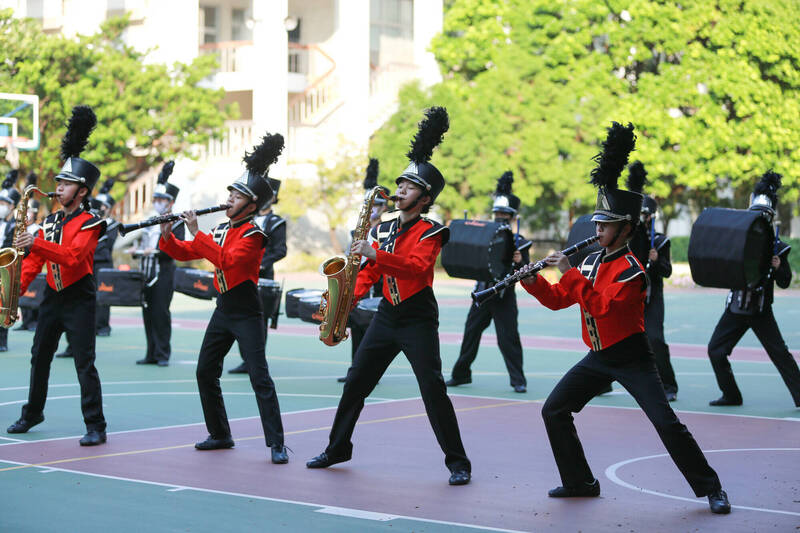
pixel 334 308
pixel 11 262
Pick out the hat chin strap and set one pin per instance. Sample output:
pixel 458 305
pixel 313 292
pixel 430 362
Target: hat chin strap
pixel 239 211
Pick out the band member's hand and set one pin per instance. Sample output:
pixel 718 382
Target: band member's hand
pixel 191 221
pixel 530 280
pixel 517 257
pixel 24 240
pixel 653 255
pixel 166 229
pixel 363 248
pixel 776 261
pixel 558 259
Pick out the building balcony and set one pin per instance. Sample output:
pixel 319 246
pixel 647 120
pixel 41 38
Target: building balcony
pixel 237 61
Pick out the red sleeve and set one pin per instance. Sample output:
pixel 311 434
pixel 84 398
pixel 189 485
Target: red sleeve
pixel 177 249
pixel 618 295
pixel 68 255
pixel 553 296
pixel 31 266
pixel 367 277
pixel 245 249
pixel 412 265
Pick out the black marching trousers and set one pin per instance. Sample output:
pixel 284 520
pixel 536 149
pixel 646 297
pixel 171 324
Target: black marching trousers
pixel 156 315
pixel 730 328
pixel 418 338
pixel 654 328
pixel 248 332
pixel 631 363
pixel 71 311
pixel 503 310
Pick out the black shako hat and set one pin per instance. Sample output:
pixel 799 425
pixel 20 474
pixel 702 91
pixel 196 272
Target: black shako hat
pixel 103 198
pixel 75 169
pixel 430 134
pixel 504 200
pixel 164 189
pixel 637 179
pixel 9 193
pixel 765 193
pixel 253 183
pixel 371 181
pixel 614 204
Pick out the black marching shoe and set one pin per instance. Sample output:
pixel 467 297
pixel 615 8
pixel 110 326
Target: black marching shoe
pixel 279 455
pixel 23 425
pixel 671 395
pixel 104 332
pixel 145 361
pixel 453 382
pixel 520 388
pixel 241 369
pixel 93 437
pixel 214 444
pixel 3 348
pixel 65 354
pixel 460 477
pixel 342 379
pixel 324 460
pixel 586 490
pixel 722 400
pixel 718 502
pixel 162 362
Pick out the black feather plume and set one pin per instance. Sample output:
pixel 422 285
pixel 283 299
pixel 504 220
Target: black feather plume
pixel 166 172
pixel 81 124
pixel 106 188
pixel 504 183
pixel 11 178
pixel 265 154
pixel 769 184
pixel 430 134
pixel 371 178
pixel 619 143
pixel 637 177
pixel 31 179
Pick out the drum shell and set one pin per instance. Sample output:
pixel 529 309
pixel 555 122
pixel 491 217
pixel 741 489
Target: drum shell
pixel 195 283
pixel 119 287
pixel 581 229
pixel 364 311
pixel 308 308
pixel 478 250
pixel 730 248
pixel 293 296
pixel 270 292
pixel 34 295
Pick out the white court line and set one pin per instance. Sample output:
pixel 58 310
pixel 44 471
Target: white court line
pixel 611 473
pixel 13 440
pixel 355 513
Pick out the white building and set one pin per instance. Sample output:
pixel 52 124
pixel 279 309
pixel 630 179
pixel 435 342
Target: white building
pixel 313 70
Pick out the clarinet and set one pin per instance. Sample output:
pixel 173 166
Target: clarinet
pixel 479 297
pixel 152 221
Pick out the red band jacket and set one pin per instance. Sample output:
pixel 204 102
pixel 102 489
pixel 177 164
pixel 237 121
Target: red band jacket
pixel 235 250
pixel 406 254
pixel 67 244
pixel 610 289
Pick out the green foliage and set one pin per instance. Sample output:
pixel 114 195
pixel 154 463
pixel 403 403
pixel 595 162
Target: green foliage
pixel 679 249
pixel 712 87
pixel 147 113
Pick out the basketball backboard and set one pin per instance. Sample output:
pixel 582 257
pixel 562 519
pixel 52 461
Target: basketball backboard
pixel 19 121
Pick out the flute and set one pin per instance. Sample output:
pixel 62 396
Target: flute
pixel 152 221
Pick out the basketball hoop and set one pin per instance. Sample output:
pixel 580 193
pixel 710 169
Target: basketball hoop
pixel 12 153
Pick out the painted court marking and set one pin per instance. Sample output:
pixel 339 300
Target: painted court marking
pixel 611 473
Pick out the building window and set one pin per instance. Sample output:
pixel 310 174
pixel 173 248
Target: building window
pixel 209 24
pixel 294 35
pixel 391 26
pixel 239 29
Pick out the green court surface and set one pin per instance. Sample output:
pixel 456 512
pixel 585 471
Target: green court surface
pixel 52 498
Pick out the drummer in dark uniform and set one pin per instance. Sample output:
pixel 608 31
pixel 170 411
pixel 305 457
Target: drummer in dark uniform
pixel 752 309
pixel 275 227
pixel 502 309
pixel 159 274
pixel 652 249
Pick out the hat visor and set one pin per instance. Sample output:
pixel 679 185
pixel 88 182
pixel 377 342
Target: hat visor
pixel 242 189
pixel 416 180
pixel 508 210
pixel 605 216
pixel 65 176
pixel 164 196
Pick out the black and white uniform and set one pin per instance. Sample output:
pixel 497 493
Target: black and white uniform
pixel 746 309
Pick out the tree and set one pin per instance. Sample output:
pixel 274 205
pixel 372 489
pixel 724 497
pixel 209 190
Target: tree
pixel 531 85
pixel 146 112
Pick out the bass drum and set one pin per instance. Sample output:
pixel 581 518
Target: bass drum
pixel 195 283
pixel 582 229
pixel 34 295
pixel 270 292
pixel 308 308
pixel 730 248
pixel 478 250
pixel 364 311
pixel 292 304
pixel 119 287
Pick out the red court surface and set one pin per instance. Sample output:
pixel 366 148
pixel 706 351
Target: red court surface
pixel 398 469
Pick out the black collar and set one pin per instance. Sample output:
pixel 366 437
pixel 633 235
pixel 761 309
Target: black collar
pixel 607 258
pixel 407 226
pixel 241 221
pixel 75 213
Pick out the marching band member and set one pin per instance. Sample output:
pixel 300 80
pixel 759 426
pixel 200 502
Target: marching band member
pixel 404 253
pixel 610 287
pixel 9 198
pixel 752 308
pixel 275 228
pixel 67 243
pixel 235 249
pixel 503 309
